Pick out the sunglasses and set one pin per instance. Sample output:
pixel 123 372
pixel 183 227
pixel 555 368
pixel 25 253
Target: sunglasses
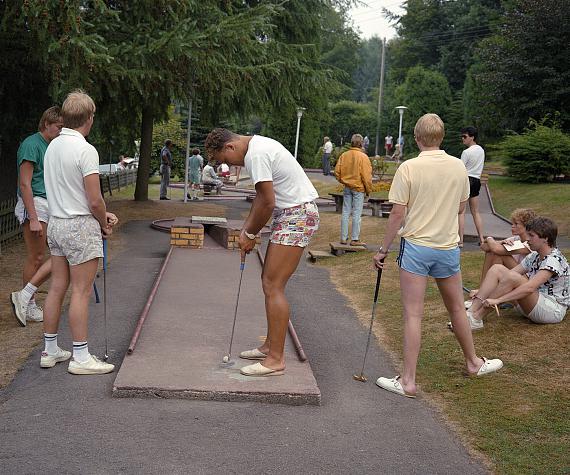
pixel 464 136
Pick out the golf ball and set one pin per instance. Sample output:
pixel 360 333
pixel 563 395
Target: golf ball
pixel 225 359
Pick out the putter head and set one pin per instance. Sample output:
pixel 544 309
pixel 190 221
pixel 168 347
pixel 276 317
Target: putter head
pixel 106 357
pixel 227 362
pixel 359 377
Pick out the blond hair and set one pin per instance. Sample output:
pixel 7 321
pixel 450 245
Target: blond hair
pixel 356 140
pixel 429 130
pixel 523 215
pixel 50 116
pixel 77 109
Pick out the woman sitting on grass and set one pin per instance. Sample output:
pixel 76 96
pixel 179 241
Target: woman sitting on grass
pixel 497 253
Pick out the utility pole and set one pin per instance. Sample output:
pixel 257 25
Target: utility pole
pixel 380 97
pixel 187 151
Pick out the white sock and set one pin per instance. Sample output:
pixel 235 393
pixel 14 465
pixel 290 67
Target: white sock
pixel 27 293
pixel 50 341
pixel 80 351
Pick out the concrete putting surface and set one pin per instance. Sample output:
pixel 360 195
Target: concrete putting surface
pixel 187 333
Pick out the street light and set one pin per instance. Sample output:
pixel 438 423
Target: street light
pixel 401 110
pixel 299 115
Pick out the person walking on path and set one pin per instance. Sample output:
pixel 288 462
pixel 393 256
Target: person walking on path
pixel 327 150
pixel 473 157
pixel 32 213
pixel 428 193
pixel 365 144
pixel 195 163
pixel 354 170
pixel 78 222
pixel 388 144
pixel 540 284
pixel 285 192
pixel 165 168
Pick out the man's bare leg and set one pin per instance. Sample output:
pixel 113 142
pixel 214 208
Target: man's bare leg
pixel 500 281
pixel 474 207
pixel 413 288
pixel 35 251
pixel 82 277
pixel 280 263
pixel 452 294
pixel 58 287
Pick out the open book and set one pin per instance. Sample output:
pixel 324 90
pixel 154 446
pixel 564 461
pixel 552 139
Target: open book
pixel 516 245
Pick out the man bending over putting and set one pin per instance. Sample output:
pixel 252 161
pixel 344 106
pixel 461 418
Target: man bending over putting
pixel 284 192
pixel 78 222
pixel 428 193
pixel 540 284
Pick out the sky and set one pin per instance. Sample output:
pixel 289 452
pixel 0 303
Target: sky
pixel 369 18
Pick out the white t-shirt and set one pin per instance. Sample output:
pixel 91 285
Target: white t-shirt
pixel 68 159
pixel 328 147
pixel 558 286
pixel 473 158
pixel 268 160
pixel 389 140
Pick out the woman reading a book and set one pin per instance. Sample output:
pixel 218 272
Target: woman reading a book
pixel 509 252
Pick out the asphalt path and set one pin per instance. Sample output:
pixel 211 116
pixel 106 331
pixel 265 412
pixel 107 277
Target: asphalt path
pixel 54 422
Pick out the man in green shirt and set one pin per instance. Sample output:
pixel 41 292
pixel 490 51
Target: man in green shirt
pixel 32 212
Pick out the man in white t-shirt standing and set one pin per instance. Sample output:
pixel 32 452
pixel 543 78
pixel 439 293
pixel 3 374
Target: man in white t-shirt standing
pixel 473 157
pixel 327 150
pixel 285 192
pixel 78 222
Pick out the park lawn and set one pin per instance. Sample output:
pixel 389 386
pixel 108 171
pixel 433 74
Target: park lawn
pixel 517 419
pixel 547 199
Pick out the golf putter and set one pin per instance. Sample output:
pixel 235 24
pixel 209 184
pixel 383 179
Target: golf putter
pixel 106 357
pixel 226 360
pixel 360 377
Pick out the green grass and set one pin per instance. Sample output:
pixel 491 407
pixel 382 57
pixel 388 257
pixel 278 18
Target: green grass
pixel 547 199
pixel 518 418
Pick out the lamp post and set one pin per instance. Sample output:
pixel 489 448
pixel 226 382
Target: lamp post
pixel 401 110
pixel 299 115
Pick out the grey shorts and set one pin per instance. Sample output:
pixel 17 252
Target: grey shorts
pixel 77 239
pixel 546 310
pixel 41 206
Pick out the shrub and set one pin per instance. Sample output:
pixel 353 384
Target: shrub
pixel 537 155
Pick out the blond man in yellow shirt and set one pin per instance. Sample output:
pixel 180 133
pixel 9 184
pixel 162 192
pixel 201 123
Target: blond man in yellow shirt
pixel 428 193
pixel 354 170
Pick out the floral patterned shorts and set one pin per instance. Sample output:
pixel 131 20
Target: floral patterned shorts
pixel 295 226
pixel 77 239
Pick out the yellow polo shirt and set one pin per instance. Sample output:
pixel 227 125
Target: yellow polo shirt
pixel 431 186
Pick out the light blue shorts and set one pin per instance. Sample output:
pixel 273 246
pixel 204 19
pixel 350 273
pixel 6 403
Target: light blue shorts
pixel 423 260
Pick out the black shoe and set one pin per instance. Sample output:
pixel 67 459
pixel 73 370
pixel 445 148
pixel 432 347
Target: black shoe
pixel 164 198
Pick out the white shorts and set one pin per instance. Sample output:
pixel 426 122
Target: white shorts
pixel 77 239
pixel 42 210
pixel 546 310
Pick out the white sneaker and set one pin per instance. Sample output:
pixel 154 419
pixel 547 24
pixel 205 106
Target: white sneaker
pixel 49 361
pixel 468 304
pixel 35 313
pixel 92 366
pixel 20 310
pixel 489 366
pixel 475 323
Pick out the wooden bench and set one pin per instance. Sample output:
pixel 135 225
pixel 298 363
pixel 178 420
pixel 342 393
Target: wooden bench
pixel 314 255
pixel 338 201
pixel 381 207
pixel 339 249
pixel 208 189
pixel 375 205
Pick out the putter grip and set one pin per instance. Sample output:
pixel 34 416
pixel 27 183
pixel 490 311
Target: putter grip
pixel 242 266
pixel 378 277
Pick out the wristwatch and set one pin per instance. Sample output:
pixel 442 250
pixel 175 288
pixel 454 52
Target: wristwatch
pixel 249 235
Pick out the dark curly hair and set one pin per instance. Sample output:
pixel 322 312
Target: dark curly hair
pixel 216 140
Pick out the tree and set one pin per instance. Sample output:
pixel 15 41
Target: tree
pixel 423 91
pixel 526 66
pixel 366 77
